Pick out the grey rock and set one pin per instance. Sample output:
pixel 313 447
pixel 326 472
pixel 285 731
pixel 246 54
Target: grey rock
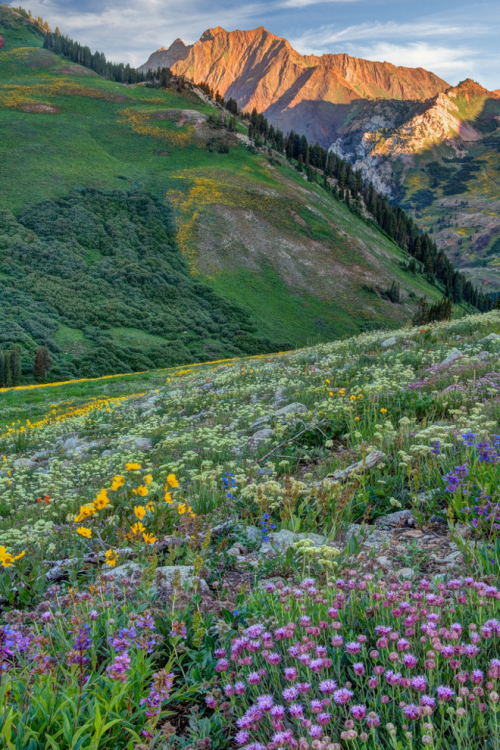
pixel 294 408
pixel 24 463
pixel 406 573
pixel 452 356
pixel 377 538
pixel 483 356
pixel 394 520
pixel 284 539
pixel 383 561
pixel 491 337
pixel 108 452
pixel 372 459
pixel 392 341
pixel 457 338
pixel 253 533
pixel 71 443
pixel 137 443
pixel 260 420
pixel 264 434
pixel 124 571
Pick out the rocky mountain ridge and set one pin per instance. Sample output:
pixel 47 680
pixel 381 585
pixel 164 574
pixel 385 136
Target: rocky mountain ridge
pixel 300 92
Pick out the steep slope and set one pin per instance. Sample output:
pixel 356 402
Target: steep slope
pixel 291 263
pixel 441 159
pixel 263 71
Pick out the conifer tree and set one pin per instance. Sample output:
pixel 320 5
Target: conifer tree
pixel 39 366
pixel 15 365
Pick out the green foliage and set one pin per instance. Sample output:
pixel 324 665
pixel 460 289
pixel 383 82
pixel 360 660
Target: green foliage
pixel 97 260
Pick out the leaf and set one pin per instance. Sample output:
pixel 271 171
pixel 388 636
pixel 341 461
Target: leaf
pixel 97 717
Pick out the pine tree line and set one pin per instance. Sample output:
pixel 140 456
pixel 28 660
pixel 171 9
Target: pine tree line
pixel 355 192
pixel 63 45
pixel 10 367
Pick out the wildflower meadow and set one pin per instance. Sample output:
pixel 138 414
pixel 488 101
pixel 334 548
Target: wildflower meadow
pixel 292 550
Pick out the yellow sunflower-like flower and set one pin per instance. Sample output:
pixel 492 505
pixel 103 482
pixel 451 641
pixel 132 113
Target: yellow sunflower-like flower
pixel 117 482
pixel 172 481
pixel 148 479
pixel 111 558
pixel 181 508
pixel 101 500
pixel 168 497
pixel 83 531
pixel 149 538
pixel 6 558
pixel 86 511
pixel 150 506
pixel 140 511
pixel 137 528
pixel 142 490
pixel 132 467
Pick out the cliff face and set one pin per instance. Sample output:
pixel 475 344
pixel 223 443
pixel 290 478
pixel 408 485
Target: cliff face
pixel 296 91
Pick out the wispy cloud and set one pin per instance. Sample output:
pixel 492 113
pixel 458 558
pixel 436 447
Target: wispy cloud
pixel 304 3
pixel 327 36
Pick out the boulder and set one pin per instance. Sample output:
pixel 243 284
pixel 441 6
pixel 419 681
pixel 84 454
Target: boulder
pixel 483 356
pixel 264 434
pixel 392 341
pixel 406 573
pixel 137 443
pixel 452 356
pixel 371 460
pixel 284 539
pixel 24 463
pixel 395 520
pixel 294 408
pixel 491 337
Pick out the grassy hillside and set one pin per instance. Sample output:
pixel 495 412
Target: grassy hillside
pixel 297 265
pixel 148 522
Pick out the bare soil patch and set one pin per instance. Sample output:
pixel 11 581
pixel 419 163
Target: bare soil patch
pixel 2 40
pixel 46 109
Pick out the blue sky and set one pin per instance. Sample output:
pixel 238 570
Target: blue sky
pixel 455 39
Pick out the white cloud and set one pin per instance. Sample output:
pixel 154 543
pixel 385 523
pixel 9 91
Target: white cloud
pixel 323 38
pixel 439 59
pixel 304 3
pixel 130 31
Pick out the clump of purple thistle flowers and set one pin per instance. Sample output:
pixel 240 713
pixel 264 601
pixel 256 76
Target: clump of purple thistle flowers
pixel 353 658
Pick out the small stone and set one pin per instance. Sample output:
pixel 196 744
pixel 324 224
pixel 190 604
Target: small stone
pixel 483 356
pixel 394 520
pixel 414 534
pixel 284 539
pixel 137 443
pixel 294 408
pixel 406 573
pixel 253 533
pixel 452 356
pixel 24 463
pixel 262 435
pixel 392 341
pixel 383 561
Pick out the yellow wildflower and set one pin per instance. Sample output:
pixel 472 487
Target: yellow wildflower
pixel 172 480
pixel 142 490
pixel 181 508
pixel 356 419
pixel 140 512
pixel 383 411
pixel 168 497
pixel 148 479
pixel 117 482
pixel 101 500
pixel 150 506
pixel 83 531
pixel 149 538
pixel 352 398
pixel 111 558
pixel 6 558
pixel 133 467
pixel 86 511
pixel 137 528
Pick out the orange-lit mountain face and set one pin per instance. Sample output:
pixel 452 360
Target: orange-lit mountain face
pixel 312 95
